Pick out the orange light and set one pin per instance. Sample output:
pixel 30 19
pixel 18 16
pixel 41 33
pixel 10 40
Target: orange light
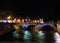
pixel 35 21
pixel 1 20
pixel 18 20
pixel 22 20
pixel 38 21
pixel 9 17
pixel 14 20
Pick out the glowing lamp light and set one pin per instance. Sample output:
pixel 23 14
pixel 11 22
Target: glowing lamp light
pixel 42 21
pixel 9 17
pixel 25 19
pixel 5 21
pixel 29 20
pixel 14 20
pixel 22 20
pixel 18 20
pixel 1 21
pixel 9 21
pixel 35 21
pixel 38 21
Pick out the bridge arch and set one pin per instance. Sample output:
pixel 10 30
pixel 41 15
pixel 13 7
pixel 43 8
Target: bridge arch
pixel 48 27
pixel 25 26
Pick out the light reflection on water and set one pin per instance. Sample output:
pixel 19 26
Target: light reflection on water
pixel 27 36
pixel 57 38
pixel 42 37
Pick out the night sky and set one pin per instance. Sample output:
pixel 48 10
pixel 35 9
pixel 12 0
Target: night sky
pixel 32 8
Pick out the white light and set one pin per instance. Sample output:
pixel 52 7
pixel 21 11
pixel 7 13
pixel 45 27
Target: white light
pixel 27 35
pixel 5 21
pixel 57 37
pixel 25 19
pixel 9 21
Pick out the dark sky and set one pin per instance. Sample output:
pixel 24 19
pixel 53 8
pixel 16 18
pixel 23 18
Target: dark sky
pixel 32 8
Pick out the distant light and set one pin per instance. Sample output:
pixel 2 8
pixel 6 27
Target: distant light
pixel 25 19
pixel 22 20
pixel 5 21
pixel 9 21
pixel 14 20
pixel 38 21
pixel 18 20
pixel 1 21
pixel 35 21
pixel 29 20
pixel 9 17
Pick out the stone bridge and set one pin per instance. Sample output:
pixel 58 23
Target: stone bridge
pixel 40 25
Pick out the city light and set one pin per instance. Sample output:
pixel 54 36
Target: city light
pixel 35 21
pixel 9 17
pixel 26 20
pixel 5 21
pixel 1 20
pixel 14 20
pixel 22 20
pixel 9 21
pixel 18 20
pixel 41 20
pixel 29 20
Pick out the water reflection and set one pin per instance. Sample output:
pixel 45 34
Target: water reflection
pixel 57 37
pixel 39 37
pixel 31 35
pixel 42 37
pixel 27 36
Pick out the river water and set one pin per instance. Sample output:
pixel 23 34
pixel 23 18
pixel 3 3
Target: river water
pixel 36 37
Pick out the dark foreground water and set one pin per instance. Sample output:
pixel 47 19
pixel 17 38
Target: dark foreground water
pixel 34 37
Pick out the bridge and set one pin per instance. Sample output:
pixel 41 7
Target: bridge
pixel 39 25
pixel 26 24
